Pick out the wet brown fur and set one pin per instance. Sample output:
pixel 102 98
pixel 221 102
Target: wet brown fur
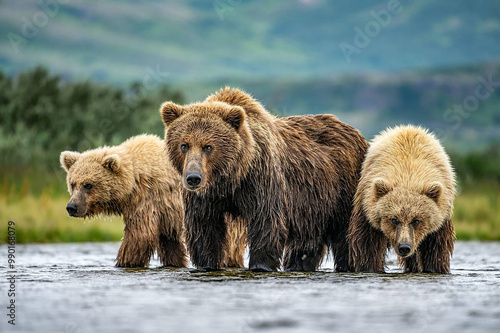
pixel 290 180
pixel 405 196
pixel 236 243
pixel 133 180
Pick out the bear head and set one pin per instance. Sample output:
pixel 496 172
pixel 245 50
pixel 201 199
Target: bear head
pixel 206 141
pixel 99 181
pixel 406 217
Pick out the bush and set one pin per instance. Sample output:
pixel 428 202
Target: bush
pixel 476 166
pixel 41 116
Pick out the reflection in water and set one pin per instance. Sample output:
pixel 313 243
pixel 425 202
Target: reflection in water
pixel 76 288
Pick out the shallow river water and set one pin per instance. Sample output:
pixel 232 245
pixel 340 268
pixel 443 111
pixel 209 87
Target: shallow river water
pixel 75 288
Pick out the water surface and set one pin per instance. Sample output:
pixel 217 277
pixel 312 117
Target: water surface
pixel 75 288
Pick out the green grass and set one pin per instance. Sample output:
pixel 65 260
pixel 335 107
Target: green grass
pixel 36 202
pixel 477 213
pixel 42 218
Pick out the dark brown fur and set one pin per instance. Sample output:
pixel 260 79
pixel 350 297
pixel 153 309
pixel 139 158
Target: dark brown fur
pixel 290 180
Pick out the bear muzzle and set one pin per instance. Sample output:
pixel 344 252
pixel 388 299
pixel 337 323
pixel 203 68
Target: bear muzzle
pixel 193 180
pixel 404 249
pixel 72 209
pixel 76 209
pixel 194 173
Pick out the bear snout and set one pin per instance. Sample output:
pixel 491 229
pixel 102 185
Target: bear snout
pixel 404 249
pixel 193 180
pixel 72 209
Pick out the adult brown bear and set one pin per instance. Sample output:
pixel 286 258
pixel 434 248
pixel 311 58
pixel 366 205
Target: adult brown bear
pixel 292 180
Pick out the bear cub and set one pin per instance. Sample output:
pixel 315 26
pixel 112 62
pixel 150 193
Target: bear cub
pixel 133 180
pixel 404 200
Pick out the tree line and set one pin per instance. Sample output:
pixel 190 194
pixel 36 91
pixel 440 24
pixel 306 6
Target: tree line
pixel 41 115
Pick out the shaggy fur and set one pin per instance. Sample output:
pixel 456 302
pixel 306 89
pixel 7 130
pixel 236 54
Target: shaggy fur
pixel 236 243
pixel 404 200
pixel 133 180
pixel 291 180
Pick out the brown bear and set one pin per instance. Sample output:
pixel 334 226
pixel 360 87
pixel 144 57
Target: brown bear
pixel 133 180
pixel 404 200
pixel 290 180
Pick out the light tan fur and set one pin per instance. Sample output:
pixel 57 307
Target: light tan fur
pixel 236 242
pixel 133 180
pixel 404 199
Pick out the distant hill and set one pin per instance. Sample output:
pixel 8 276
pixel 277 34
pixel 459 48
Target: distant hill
pixel 203 40
pixel 372 102
pixel 373 64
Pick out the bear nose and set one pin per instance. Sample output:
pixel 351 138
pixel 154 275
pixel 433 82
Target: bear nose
pixel 404 249
pixel 193 179
pixel 72 209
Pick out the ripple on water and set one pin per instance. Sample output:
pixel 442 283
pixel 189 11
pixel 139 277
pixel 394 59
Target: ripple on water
pixel 76 288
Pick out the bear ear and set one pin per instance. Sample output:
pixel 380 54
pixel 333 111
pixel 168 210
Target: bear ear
pixel 434 190
pixel 169 112
pixel 68 158
pixel 112 162
pixel 235 117
pixel 380 187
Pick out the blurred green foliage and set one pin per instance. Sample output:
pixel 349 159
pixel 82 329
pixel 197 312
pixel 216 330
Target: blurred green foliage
pixel 478 166
pixel 41 116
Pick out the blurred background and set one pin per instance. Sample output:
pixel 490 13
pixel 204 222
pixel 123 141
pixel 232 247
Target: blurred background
pixel 79 74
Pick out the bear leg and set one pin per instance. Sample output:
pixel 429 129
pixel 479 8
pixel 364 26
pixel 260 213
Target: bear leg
pixel 266 244
pixel 171 251
pixel 236 242
pixel 340 250
pixel 206 234
pixel 367 245
pixel 171 248
pixel 135 250
pixel 410 264
pixel 436 249
pixel 303 259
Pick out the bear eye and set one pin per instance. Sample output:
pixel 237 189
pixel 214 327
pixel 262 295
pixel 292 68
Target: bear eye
pixel 395 222
pixel 415 222
pixel 87 186
pixel 184 147
pixel 73 186
pixel 207 148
